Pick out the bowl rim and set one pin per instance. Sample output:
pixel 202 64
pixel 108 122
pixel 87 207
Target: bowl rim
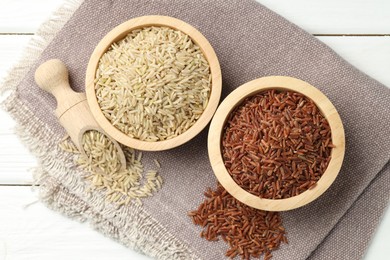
pixel 280 83
pixel 118 33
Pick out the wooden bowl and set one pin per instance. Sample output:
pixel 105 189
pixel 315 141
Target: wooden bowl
pixel 119 33
pixel 235 99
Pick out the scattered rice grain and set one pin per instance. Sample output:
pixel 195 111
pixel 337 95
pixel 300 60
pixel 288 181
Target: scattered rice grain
pixel 249 232
pixel 103 169
pixel 157 163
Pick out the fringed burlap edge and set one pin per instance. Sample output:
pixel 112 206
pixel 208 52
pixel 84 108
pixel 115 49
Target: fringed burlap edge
pixel 59 182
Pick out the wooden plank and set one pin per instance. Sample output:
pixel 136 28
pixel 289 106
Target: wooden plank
pixel 36 232
pixel 15 161
pixel 11 47
pixel 334 16
pixel 320 17
pixel 369 54
pixel 7 124
pixel 379 248
pixel 25 16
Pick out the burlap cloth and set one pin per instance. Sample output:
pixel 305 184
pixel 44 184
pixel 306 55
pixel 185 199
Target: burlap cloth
pixel 250 41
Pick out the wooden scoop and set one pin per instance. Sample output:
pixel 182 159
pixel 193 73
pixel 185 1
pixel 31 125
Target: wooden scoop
pixel 72 108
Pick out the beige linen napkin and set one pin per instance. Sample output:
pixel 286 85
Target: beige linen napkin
pixel 250 41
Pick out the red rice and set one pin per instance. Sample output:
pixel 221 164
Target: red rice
pixel 249 232
pixel 277 144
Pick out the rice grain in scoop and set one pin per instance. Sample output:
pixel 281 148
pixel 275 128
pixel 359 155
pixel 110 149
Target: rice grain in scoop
pixel 103 169
pixel 154 84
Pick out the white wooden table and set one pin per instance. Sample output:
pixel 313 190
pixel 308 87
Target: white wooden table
pixel 359 30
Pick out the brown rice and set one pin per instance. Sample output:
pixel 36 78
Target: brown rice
pixel 154 84
pixel 102 168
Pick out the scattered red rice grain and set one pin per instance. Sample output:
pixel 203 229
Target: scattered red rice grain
pixel 249 232
pixel 277 145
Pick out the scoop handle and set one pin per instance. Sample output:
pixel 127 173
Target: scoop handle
pixel 72 108
pixel 53 77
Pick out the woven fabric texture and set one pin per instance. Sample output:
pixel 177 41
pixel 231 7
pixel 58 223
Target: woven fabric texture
pixel 251 42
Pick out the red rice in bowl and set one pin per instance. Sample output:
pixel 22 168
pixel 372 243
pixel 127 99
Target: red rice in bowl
pixel 276 144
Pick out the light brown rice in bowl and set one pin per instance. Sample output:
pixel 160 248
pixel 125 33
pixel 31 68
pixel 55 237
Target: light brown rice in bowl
pixel 154 84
